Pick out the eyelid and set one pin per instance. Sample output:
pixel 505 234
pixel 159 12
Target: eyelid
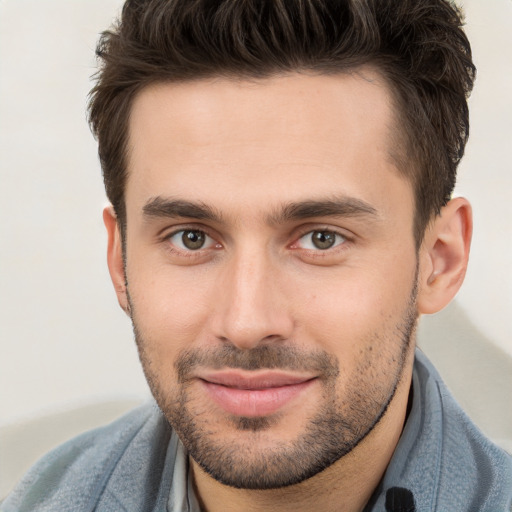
pixel 169 231
pixel 311 228
pixel 168 235
pixel 336 244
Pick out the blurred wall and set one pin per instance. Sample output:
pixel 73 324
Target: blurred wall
pixel 63 340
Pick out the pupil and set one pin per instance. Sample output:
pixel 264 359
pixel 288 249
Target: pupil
pixel 193 239
pixel 323 239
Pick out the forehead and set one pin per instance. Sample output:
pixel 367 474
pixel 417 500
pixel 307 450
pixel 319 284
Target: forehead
pixel 268 140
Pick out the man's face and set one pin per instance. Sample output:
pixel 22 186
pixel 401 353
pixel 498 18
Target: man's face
pixel 271 268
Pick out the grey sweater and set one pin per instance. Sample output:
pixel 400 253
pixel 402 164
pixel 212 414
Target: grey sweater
pixel 442 463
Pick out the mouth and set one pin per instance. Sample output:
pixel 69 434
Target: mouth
pixel 254 395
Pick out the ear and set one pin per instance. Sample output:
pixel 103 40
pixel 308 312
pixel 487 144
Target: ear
pixel 115 257
pixel 444 256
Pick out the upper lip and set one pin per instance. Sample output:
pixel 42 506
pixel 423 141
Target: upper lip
pixel 250 380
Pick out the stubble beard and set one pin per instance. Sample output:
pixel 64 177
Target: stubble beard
pixel 339 425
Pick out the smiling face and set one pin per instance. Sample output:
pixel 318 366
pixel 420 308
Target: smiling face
pixel 271 268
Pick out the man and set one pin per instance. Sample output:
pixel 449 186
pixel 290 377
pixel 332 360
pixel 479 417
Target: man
pixel 280 176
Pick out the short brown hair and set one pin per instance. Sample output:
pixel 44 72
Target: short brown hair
pixel 418 46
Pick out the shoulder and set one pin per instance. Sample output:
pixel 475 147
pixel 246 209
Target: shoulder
pixel 442 459
pixel 471 468
pixel 74 475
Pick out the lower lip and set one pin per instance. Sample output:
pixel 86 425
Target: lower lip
pixel 254 402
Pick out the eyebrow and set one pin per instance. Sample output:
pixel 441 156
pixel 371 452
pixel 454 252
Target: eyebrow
pixel 335 207
pixel 177 208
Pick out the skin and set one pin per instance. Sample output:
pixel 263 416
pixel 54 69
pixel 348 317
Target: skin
pixel 241 153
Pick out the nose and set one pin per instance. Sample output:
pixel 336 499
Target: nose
pixel 252 308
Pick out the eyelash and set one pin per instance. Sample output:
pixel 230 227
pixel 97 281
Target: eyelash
pixel 188 253
pixel 322 256
pixel 311 232
pixel 312 253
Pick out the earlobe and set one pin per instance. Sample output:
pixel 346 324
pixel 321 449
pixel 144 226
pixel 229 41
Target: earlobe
pixel 444 256
pixel 115 257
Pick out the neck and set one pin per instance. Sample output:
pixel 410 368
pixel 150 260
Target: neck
pixel 346 486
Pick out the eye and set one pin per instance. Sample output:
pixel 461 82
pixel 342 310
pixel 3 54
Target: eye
pixel 320 240
pixel 191 240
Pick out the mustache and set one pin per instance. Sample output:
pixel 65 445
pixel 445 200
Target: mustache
pixel 284 357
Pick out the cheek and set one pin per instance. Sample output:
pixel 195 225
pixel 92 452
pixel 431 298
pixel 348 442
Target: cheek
pixel 350 311
pixel 171 309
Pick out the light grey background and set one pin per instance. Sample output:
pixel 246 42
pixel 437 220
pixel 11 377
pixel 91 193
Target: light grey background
pixel 64 341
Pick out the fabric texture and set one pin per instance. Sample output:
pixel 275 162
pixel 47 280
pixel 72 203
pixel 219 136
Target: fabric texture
pixel 442 463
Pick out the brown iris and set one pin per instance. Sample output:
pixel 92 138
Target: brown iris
pixel 323 239
pixel 193 240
